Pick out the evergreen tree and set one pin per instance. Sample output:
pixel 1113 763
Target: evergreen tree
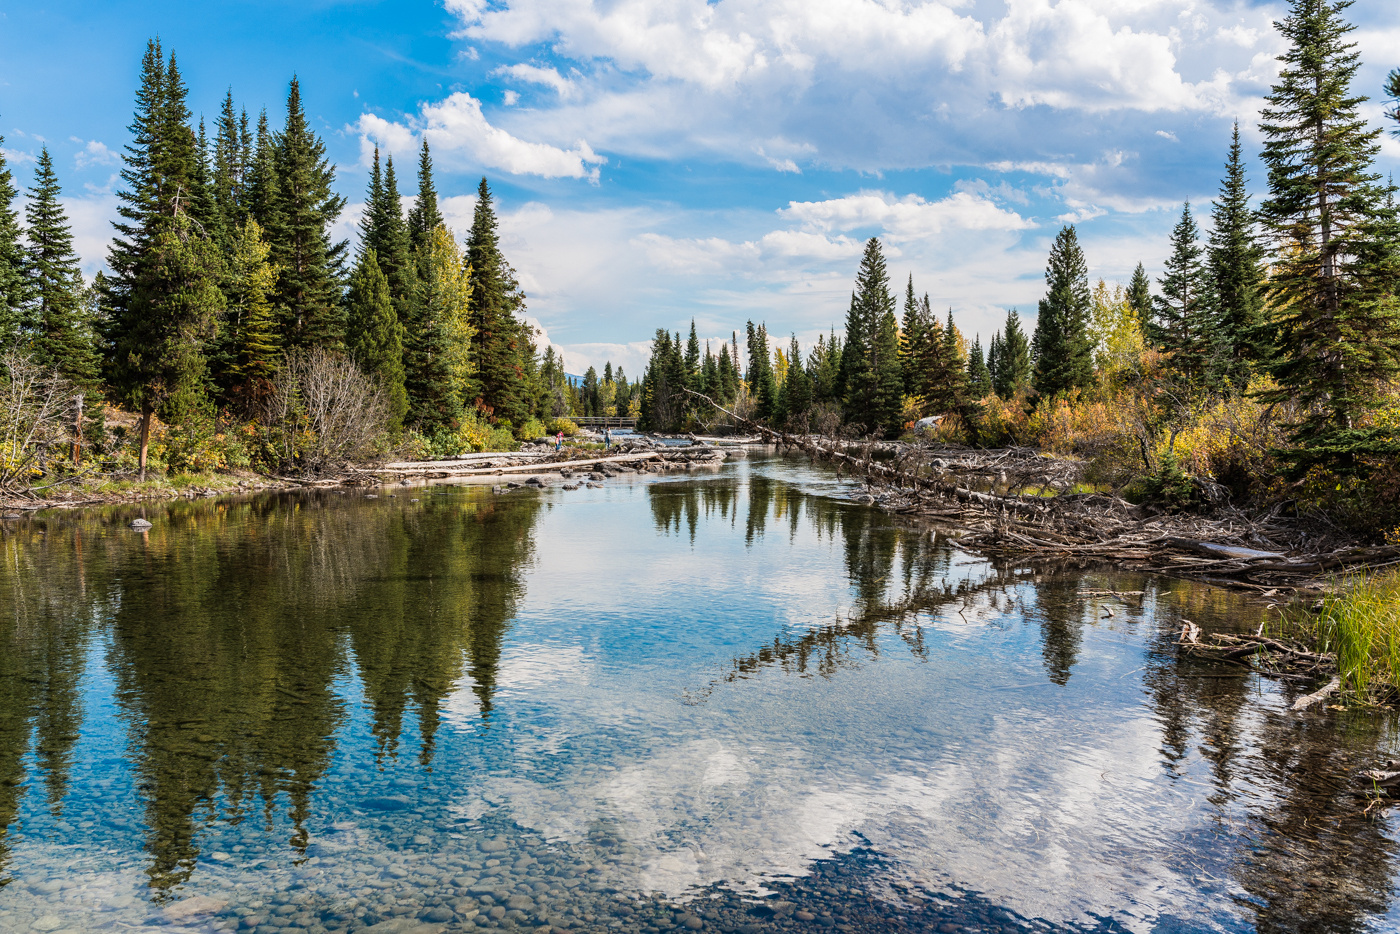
pixel 825 368
pixel 622 407
pixel 11 257
pixel 728 378
pixel 889 378
pixel 871 352
pixel 157 356
pixel 424 217
pixel 994 361
pixel 1061 346
pixel 438 361
pixel 979 377
pixel 374 336
pixel 308 293
pixel 692 357
pixel 1331 228
pixel 911 338
pixel 204 208
pixel 493 304
pixel 230 165
pixel 250 352
pixel 795 398
pixel 1181 324
pixel 1140 297
pixel 262 193
pixel 54 284
pixel 1236 269
pixel 950 391
pixel 383 231
pixel 763 383
pixel 589 393
pixel 1014 369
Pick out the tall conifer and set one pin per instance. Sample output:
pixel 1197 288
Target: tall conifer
pixel 1330 230
pixel 1140 297
pixel 1061 346
pixel 308 293
pixel 11 257
pixel 1013 359
pixel 54 284
pixel 424 218
pixel 1237 270
pixel 374 335
pixel 1182 324
pixel 494 301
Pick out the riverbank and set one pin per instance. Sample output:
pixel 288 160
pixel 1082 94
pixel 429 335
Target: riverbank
pixel 637 457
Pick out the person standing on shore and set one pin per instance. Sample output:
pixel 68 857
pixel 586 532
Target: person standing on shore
pixel 607 439
pixel 559 441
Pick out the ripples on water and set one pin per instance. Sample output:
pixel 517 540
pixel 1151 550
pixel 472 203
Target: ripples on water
pixel 726 702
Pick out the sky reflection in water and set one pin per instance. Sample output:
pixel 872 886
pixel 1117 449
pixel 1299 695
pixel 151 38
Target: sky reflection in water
pixel 321 712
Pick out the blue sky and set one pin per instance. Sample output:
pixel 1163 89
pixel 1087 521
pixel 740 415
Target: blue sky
pixel 658 160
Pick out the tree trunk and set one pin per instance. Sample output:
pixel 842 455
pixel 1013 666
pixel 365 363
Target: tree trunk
pixel 77 427
pixel 145 439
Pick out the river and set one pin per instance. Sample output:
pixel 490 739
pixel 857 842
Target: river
pixel 728 701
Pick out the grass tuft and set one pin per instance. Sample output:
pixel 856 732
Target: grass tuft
pixel 1361 624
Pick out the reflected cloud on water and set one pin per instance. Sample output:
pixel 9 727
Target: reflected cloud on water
pixel 665 693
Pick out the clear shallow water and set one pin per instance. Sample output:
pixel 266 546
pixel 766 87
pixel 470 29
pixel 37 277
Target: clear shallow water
pixel 729 701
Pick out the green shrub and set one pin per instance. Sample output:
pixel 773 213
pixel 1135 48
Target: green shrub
pixel 532 429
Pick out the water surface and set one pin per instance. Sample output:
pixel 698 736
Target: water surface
pixel 726 701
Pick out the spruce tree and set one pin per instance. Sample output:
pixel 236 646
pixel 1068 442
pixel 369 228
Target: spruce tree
pixel 1329 226
pixel 1013 359
pixel 911 338
pixel 1236 265
pixel 1182 324
pixel 1140 297
pixel 308 293
pixel 888 403
pixel 692 356
pixel 728 382
pixel 494 300
pixel 53 285
pixel 951 390
pixel 374 336
pixel 1061 346
pixel 158 355
pixel 994 361
pixel 230 168
pixel 438 360
pixel 797 388
pixel 871 351
pixel 141 197
pixel 250 352
pixel 384 232
pixel 763 386
pixel 11 257
pixel 262 193
pixel 424 217
pixel 979 377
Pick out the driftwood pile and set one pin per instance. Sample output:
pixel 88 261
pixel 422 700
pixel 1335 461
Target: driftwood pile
pixel 983 496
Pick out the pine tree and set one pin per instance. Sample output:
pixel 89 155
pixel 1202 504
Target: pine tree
pixel 384 232
pixel 951 390
pixel 796 394
pixel 374 335
pixel 1140 297
pixel 888 403
pixel 763 384
pixel 424 218
pixel 979 378
pixel 439 365
pixel 157 357
pixel 308 293
pixel 493 304
pixel 728 383
pixel 1329 226
pixel 911 338
pixel 1236 269
pixel 262 195
pixel 692 357
pixel 1182 325
pixel 869 358
pixel 11 257
pixel 230 165
pixel 250 352
pixel 54 284
pixel 1013 360
pixel 1061 347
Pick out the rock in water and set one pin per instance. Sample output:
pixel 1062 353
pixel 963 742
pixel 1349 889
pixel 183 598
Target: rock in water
pixel 190 907
pixel 388 803
pixel 140 524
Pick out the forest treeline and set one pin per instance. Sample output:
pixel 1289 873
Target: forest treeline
pixel 1263 362
pixel 230 320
